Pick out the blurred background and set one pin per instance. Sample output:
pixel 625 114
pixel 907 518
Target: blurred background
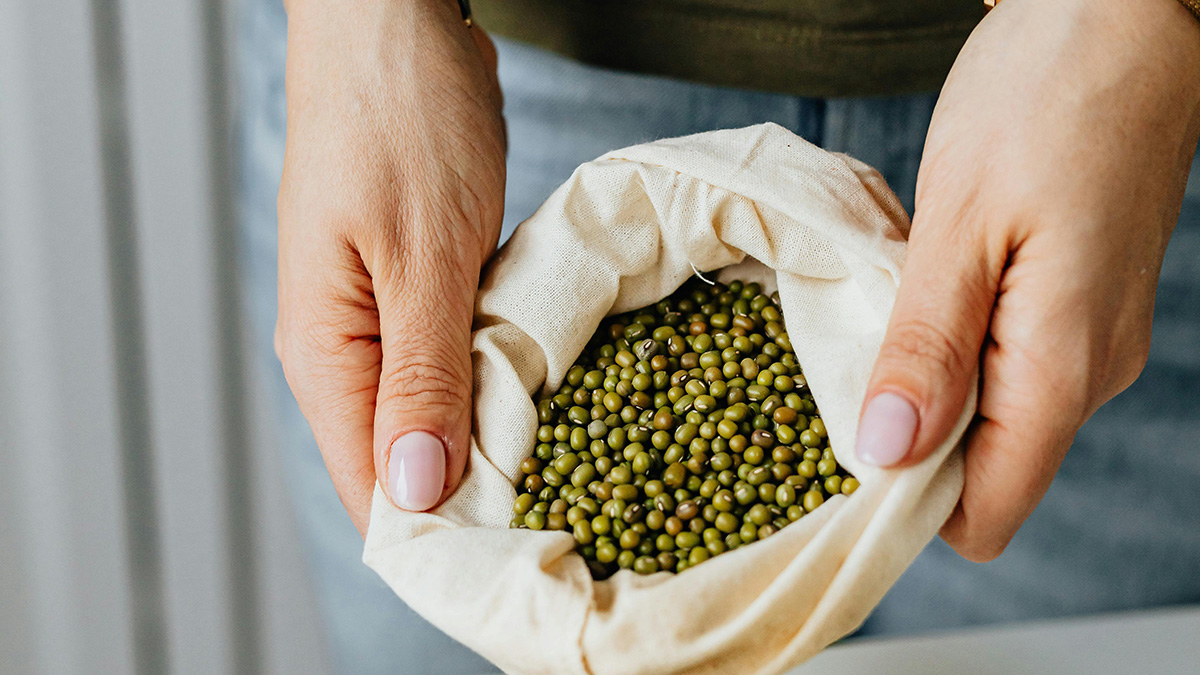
pixel 144 525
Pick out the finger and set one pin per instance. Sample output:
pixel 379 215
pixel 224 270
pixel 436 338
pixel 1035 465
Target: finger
pixel 327 340
pixel 923 372
pixel 425 290
pixel 1039 384
pixel 1027 421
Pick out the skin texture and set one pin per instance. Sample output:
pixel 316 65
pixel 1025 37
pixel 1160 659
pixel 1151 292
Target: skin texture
pixel 1053 175
pixel 391 199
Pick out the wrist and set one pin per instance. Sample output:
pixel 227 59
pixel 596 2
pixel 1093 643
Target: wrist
pixel 1191 6
pixel 1170 35
pixel 406 42
pixel 1160 38
pixel 314 14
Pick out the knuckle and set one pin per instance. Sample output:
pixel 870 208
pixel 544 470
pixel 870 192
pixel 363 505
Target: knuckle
pixel 1111 365
pixel 426 381
pixel 971 543
pixel 308 355
pixel 286 348
pixel 921 345
pixel 296 365
pixel 280 344
pixel 1130 365
pixel 293 346
pixel 981 551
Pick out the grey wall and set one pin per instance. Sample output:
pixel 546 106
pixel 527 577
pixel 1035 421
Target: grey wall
pixel 143 528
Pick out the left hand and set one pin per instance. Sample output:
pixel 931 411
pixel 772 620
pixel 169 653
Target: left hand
pixel 1052 178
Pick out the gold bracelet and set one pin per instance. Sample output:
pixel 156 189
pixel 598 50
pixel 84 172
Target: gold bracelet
pixel 1192 6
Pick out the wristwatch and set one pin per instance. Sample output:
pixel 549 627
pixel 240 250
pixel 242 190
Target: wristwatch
pixel 1192 5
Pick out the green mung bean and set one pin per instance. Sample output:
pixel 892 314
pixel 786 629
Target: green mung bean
pixel 684 430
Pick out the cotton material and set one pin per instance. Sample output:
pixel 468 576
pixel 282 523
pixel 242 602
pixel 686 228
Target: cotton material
pixel 623 232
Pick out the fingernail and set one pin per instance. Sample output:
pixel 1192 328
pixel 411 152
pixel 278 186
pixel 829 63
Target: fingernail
pixel 416 470
pixel 886 430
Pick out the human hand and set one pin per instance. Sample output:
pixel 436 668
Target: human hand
pixel 1052 177
pixel 391 200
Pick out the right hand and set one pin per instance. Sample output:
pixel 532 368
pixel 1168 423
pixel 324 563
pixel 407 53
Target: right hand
pixel 391 200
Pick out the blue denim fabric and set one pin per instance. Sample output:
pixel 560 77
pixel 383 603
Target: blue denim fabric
pixel 1119 528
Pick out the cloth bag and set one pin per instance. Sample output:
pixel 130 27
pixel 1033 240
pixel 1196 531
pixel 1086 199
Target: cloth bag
pixel 623 232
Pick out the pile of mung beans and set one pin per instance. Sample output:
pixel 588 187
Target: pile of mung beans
pixel 685 429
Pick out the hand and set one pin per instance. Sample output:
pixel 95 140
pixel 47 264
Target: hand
pixel 391 200
pixel 1052 177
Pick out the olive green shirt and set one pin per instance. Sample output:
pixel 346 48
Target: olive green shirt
pixel 805 47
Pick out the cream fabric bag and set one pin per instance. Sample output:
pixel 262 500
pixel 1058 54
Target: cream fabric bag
pixel 623 232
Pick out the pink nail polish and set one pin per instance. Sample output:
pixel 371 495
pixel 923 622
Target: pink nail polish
pixel 886 430
pixel 416 470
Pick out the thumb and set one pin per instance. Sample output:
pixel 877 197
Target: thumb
pixel 423 407
pixel 923 373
